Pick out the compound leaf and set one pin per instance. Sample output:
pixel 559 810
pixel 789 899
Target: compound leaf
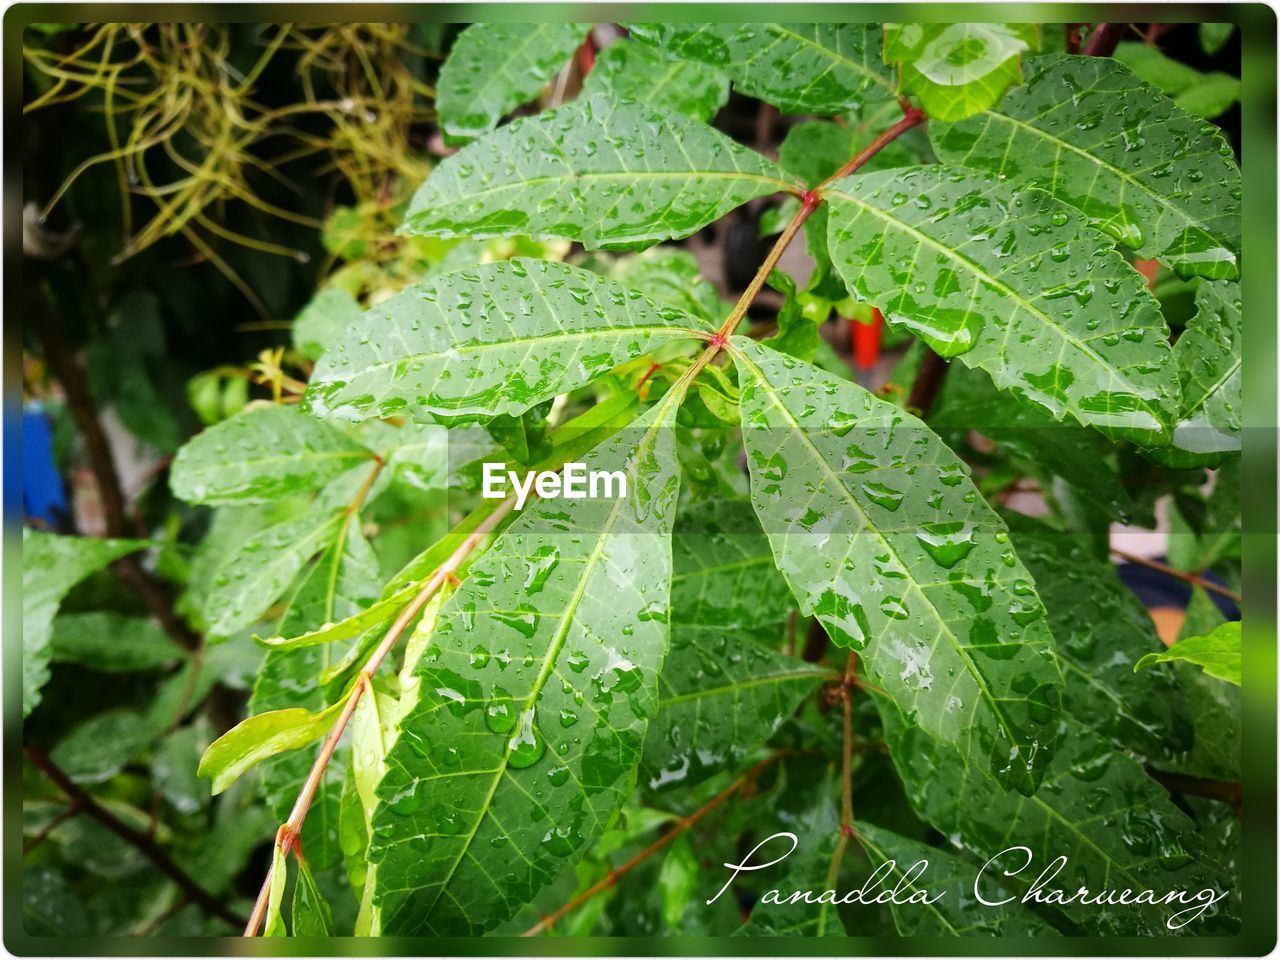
pixel 1014 283
pixel 263 453
pixel 51 566
pixel 883 537
pixel 533 700
pixel 495 67
pixel 822 68
pixel 1085 129
pixel 496 339
pixel 596 171
pixel 634 71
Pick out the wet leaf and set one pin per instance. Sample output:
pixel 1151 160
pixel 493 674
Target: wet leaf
pixel 1102 631
pixel 1216 707
pixel 533 700
pixel 495 67
pixel 263 453
pixel 265 735
pixel 722 691
pixel 1085 129
pixel 882 536
pixel 257 572
pixel 112 642
pixel 1206 95
pixel 1207 429
pixel 633 71
pixel 1116 827
pixel 311 914
pixel 821 68
pixel 341 583
pixel 947 880
pixel 51 566
pixel 496 339
pixel 1011 282
pixel 957 69
pixel 1217 653
pixel 602 173
pixel 330 312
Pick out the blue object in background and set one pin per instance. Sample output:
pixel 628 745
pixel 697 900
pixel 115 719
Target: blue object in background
pixel 43 496
pixel 1156 589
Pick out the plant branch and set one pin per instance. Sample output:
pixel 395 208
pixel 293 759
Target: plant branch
pixel 66 368
pixel 1223 790
pixel 681 825
pixel 1104 39
pixel 83 802
pixel 1194 579
pixel 287 835
pixel 928 381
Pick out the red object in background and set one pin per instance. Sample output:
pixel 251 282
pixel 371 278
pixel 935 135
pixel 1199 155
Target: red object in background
pixel 866 340
pixel 1148 269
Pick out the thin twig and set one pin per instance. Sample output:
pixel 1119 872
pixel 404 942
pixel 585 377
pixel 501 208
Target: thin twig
pixel 287 835
pixel 1223 790
pixel 1194 579
pixel 681 825
pixel 62 817
pixel 144 844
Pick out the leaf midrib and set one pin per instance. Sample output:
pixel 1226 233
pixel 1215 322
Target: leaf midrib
pixel 1122 174
pixel 1112 372
pixel 983 689
pixel 553 651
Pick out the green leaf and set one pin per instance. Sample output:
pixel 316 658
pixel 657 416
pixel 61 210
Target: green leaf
pixel 1097 807
pixel 496 339
pixel 173 769
pixel 1216 707
pixel 595 171
pixel 722 690
pixel 947 881
pixel 1206 95
pixel 311 914
pixel 882 536
pixel 1217 653
pixel 678 880
pixel 533 700
pixel 822 68
pixel 634 71
pixel 670 277
pixel 273 924
pixel 1089 132
pixel 1214 36
pixel 341 583
pixel 957 69
pixel 495 67
pixel 51 566
pixel 98 749
pixel 969 401
pixel 818 838
pixel 265 735
pixel 1102 630
pixel 50 908
pixel 1013 283
pixel 1208 354
pixel 263 453
pixel 323 320
pixel 112 642
pixel 253 575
